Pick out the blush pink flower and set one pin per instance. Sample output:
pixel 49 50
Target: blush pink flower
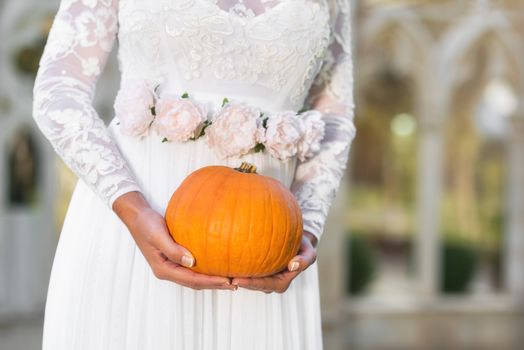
pixel 313 128
pixel 132 106
pixel 178 119
pixel 235 130
pixel 283 134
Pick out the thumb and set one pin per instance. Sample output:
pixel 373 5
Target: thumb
pixel 307 256
pixel 174 251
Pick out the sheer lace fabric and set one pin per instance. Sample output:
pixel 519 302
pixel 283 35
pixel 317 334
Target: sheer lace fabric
pixel 282 51
pixel 80 40
pixel 317 179
pixel 246 8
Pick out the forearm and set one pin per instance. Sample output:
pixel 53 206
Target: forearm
pixel 317 179
pixel 63 97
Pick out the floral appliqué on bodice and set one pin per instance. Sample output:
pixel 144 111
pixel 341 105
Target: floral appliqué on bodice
pixel 294 53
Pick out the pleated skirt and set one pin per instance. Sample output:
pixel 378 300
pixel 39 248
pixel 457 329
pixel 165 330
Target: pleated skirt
pixel 103 295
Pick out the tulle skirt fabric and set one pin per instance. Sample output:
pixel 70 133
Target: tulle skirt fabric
pixel 103 295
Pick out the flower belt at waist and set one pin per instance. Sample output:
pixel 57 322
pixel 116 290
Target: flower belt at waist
pixel 233 130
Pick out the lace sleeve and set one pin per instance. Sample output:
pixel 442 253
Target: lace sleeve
pixel 79 42
pixel 317 179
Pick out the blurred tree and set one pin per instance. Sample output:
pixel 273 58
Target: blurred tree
pixel 23 169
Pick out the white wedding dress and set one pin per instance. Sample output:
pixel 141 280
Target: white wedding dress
pixel 276 55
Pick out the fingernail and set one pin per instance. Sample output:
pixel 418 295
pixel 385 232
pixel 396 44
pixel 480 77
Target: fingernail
pixel 294 266
pixel 187 260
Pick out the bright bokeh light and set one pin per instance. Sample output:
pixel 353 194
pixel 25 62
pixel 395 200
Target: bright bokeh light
pixel 501 98
pixel 403 125
pixel 497 104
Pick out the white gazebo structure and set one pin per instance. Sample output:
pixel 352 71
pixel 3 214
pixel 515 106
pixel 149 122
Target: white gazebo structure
pixel 28 227
pixel 438 64
pixel 27 230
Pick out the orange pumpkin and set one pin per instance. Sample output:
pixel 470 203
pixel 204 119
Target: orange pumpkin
pixel 235 222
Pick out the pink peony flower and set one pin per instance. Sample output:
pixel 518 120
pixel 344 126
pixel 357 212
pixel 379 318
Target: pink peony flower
pixel 283 134
pixel 133 107
pixel 313 132
pixel 235 130
pixel 179 119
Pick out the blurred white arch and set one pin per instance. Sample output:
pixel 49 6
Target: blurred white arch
pixel 456 48
pixel 409 29
pixel 462 40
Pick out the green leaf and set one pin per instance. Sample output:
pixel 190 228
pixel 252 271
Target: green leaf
pixel 302 110
pixel 185 95
pixel 202 130
pixel 259 147
pixel 264 122
pixel 224 101
pixel 164 140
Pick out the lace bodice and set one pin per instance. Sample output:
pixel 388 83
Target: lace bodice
pixel 275 54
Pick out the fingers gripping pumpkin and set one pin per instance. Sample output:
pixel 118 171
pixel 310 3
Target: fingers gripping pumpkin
pixel 235 222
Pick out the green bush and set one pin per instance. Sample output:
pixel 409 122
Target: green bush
pixel 459 262
pixel 361 264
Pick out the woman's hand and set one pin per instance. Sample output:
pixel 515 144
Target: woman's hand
pixel 280 282
pixel 168 260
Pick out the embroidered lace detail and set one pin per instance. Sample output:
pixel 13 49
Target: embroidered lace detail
pixel 241 10
pixel 80 40
pixel 268 50
pixel 251 10
pixel 317 179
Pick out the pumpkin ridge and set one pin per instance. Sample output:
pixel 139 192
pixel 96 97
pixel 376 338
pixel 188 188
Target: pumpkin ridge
pixel 172 208
pixel 271 201
pixel 190 203
pixel 250 211
pixel 230 236
pixel 225 213
pixel 256 187
pixel 265 205
pixel 278 261
pixel 206 225
pixel 182 190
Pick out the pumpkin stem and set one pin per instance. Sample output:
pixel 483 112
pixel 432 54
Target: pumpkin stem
pixel 246 167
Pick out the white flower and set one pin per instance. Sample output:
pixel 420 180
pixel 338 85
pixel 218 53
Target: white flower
pixel 133 105
pixel 96 27
pixel 179 119
pixel 235 130
pixel 313 127
pixel 91 66
pixel 283 134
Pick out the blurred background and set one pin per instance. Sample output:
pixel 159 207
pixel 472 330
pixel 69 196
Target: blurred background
pixel 424 247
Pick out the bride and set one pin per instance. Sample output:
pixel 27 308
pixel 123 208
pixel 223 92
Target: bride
pixel 196 77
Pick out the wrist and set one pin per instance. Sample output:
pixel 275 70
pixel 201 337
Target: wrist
pixel 312 238
pixel 129 206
